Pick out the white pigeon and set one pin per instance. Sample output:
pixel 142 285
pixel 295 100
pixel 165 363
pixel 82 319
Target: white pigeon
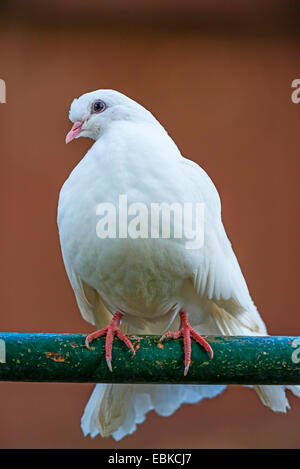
pixel 147 283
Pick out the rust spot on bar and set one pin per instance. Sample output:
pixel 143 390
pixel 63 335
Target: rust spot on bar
pixel 57 357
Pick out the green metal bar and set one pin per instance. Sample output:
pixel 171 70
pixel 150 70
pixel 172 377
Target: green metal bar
pixel 64 358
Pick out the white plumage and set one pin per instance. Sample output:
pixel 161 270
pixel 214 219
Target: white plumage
pixel 149 280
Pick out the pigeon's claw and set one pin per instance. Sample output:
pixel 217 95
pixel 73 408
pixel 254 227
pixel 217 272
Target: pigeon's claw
pixel 113 328
pixel 171 335
pixel 186 331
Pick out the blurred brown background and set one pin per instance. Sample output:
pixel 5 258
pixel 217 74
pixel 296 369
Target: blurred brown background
pixel 219 79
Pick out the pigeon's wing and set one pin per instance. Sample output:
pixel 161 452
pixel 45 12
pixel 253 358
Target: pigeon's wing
pixel 88 299
pixel 215 271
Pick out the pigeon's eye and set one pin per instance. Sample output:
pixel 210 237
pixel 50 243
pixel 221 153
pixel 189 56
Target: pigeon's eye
pixel 98 106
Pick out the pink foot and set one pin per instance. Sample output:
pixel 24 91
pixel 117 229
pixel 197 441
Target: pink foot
pixel 112 328
pixel 186 331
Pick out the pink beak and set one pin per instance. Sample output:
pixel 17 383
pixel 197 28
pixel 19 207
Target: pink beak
pixel 76 129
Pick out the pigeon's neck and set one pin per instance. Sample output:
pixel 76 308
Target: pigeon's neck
pixel 129 149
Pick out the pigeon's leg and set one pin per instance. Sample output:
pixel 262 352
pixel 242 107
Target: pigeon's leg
pixel 113 328
pixel 186 331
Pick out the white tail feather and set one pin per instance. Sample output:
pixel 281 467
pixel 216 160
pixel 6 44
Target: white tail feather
pixel 116 409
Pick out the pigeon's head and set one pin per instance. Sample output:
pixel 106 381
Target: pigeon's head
pixel 92 113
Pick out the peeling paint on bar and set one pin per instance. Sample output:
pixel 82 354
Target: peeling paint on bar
pixel 64 358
